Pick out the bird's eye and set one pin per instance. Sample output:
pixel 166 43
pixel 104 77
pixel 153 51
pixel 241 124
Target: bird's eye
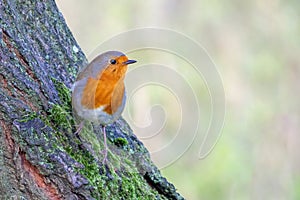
pixel 113 61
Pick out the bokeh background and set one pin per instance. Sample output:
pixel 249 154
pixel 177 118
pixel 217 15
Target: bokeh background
pixel 256 48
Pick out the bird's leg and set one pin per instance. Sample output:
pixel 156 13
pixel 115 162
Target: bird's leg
pixel 105 145
pixel 79 128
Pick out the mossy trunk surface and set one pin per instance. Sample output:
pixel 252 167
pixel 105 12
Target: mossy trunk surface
pixel 40 157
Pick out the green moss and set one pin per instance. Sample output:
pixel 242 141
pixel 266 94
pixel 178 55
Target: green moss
pixel 120 142
pixel 112 181
pixel 58 115
pixel 64 93
pixel 133 187
pixel 28 116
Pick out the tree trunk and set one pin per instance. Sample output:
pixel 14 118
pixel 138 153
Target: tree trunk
pixel 40 157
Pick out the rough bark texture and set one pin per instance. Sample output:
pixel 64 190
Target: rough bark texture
pixel 40 157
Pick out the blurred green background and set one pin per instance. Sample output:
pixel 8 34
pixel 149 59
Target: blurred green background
pixel 256 47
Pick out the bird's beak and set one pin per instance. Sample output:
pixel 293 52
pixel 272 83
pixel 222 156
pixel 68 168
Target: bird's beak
pixel 129 62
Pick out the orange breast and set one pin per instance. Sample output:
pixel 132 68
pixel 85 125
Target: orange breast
pixel 108 91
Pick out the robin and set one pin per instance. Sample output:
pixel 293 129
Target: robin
pixel 98 95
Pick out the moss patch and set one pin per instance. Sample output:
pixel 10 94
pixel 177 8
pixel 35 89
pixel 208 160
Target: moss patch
pixel 120 142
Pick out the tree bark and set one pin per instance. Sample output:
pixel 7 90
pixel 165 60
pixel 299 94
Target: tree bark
pixel 40 157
